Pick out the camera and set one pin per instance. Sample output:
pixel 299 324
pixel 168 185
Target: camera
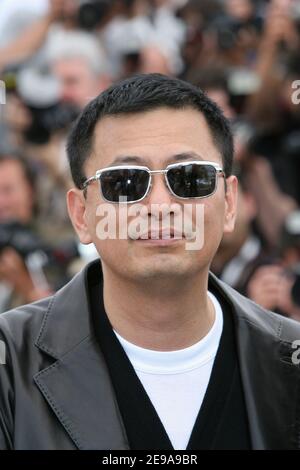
pixel 228 29
pixel 91 13
pixel 46 265
pixel 40 92
pixel 15 235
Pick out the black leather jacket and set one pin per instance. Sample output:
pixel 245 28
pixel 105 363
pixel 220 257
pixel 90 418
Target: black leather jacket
pixel 55 392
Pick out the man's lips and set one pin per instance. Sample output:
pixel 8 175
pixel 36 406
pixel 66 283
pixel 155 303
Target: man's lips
pixel 161 235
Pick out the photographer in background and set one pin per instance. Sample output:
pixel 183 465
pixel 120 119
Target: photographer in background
pixel 271 108
pixel 18 284
pixel 276 285
pixel 29 43
pixel 36 120
pixel 45 100
pixel 79 63
pixel 271 278
pixel 241 251
pixel 23 30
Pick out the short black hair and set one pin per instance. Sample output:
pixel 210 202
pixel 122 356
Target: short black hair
pixel 141 93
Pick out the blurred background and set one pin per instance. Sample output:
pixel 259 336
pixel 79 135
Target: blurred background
pixel 56 55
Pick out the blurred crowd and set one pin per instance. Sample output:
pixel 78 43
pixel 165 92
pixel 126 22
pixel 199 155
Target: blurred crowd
pixel 56 55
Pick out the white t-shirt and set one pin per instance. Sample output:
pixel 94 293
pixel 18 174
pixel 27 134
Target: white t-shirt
pixel 176 381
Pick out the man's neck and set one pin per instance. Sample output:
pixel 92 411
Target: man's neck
pixel 158 315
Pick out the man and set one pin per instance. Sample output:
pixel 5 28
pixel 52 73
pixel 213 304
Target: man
pixel 147 349
pixel 79 62
pixel 18 238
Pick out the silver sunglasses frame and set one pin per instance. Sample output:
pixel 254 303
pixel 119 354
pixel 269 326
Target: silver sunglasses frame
pixel 97 177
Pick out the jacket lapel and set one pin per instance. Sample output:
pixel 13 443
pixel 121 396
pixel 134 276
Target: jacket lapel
pixel 270 380
pixel 77 386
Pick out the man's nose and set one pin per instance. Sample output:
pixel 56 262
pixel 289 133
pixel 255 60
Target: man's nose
pixel 161 204
pixel 159 192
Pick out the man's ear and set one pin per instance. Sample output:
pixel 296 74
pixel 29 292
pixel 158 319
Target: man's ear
pixel 231 196
pixel 77 207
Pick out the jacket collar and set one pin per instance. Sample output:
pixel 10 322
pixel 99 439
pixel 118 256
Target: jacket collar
pixel 78 388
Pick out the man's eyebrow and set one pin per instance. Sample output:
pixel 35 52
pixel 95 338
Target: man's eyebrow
pixel 135 159
pixel 128 159
pixel 184 156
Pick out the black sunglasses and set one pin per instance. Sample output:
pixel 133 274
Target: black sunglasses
pixel 132 183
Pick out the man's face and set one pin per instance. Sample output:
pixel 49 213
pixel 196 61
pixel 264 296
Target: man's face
pixel 16 196
pixel 79 84
pixel 155 138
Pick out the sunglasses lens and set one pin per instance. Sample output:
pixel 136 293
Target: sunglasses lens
pixel 192 180
pixel 126 183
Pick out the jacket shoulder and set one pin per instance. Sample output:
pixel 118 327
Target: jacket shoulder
pixel 24 322
pixel 285 329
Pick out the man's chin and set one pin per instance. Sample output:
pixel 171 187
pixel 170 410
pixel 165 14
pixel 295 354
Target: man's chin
pixel 163 267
